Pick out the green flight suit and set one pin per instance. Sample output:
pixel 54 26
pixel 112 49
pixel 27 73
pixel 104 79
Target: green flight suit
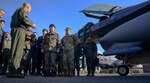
pixel 19 23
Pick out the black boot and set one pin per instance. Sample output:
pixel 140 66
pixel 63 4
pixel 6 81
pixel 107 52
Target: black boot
pixel 46 73
pixel 65 73
pixel 78 73
pixel 53 73
pixel 15 74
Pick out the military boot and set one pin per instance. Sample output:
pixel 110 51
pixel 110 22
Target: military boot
pixel 53 73
pixel 65 73
pixel 78 73
pixel 46 74
pixel 13 73
pixel 71 73
pixel 88 74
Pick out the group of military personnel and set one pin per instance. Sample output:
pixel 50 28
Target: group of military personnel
pixel 46 55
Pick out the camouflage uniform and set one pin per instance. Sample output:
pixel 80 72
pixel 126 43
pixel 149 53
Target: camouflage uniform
pixel 68 44
pixel 90 53
pixel 51 47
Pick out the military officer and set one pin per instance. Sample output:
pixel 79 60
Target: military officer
pixel 68 42
pixel 51 48
pixel 19 23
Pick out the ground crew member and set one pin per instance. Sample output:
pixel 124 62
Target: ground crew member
pixel 19 23
pixel 90 53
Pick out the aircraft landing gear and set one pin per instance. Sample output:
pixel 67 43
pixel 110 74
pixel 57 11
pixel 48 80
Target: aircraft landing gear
pixel 123 70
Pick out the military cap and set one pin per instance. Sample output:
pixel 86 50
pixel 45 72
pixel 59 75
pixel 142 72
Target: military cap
pixel 67 28
pixel 52 25
pixel 2 21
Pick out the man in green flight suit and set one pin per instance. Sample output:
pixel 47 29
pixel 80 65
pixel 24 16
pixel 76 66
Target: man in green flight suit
pixel 19 23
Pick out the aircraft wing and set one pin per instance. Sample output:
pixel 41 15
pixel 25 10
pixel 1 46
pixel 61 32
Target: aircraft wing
pixel 123 48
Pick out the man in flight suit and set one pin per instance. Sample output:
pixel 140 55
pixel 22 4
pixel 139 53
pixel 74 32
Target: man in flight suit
pixel 19 23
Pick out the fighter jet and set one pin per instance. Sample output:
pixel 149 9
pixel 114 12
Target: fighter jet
pixel 124 32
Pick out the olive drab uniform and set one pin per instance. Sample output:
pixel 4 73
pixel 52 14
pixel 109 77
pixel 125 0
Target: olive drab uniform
pixel 68 44
pixel 90 53
pixel 19 24
pixel 51 47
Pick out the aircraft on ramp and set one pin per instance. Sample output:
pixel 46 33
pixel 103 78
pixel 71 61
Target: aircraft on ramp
pixel 124 32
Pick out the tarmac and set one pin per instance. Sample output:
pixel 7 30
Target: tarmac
pixel 98 78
